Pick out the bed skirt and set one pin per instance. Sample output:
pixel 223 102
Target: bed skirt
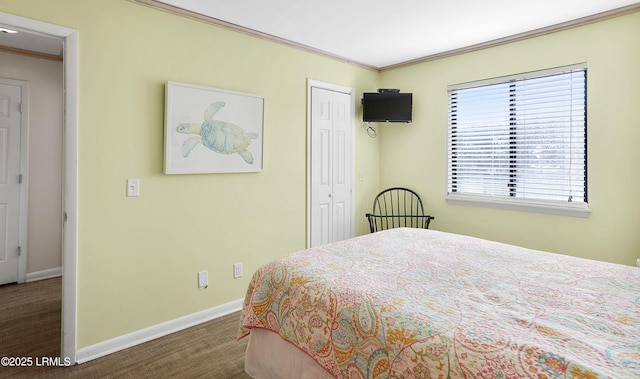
pixel 268 356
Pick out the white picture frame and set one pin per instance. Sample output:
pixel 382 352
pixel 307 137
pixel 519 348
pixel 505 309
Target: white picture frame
pixel 210 130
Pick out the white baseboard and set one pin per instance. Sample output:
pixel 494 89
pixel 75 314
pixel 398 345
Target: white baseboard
pixel 101 349
pixel 44 274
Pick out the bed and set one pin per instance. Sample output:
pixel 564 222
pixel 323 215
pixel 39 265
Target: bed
pixel 417 303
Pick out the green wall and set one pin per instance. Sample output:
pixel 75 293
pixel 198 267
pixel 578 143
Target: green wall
pixel 138 258
pixel 415 155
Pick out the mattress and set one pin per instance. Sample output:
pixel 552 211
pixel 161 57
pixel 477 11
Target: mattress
pixel 416 303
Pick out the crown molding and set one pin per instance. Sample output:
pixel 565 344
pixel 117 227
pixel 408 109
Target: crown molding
pixel 497 42
pixel 251 32
pixel 30 53
pixel 522 36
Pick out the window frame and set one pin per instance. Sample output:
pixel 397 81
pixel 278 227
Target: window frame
pixel 574 209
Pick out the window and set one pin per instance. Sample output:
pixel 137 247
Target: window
pixel 520 142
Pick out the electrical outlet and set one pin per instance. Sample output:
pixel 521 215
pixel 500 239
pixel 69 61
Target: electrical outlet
pixel 133 187
pixel 203 279
pixel 237 270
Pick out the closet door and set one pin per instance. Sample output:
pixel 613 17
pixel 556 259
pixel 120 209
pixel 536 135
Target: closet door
pixel 331 167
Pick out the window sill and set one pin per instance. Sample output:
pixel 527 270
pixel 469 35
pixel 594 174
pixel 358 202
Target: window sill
pixel 540 206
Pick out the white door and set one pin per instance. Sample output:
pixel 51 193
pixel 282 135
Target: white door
pixel 10 136
pixel 331 167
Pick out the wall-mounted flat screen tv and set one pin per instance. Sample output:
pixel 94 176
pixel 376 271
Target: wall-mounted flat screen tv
pixel 386 107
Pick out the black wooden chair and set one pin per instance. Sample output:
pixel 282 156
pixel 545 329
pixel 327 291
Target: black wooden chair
pixel 396 208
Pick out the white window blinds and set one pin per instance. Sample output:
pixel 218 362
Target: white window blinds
pixel 520 137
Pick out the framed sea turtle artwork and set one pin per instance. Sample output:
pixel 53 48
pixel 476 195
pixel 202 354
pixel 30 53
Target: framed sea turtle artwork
pixel 211 130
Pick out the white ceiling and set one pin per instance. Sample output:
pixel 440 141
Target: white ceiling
pixel 381 33
pixel 376 33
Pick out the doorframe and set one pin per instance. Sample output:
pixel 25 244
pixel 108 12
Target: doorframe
pixel 312 83
pixel 70 162
pixel 24 186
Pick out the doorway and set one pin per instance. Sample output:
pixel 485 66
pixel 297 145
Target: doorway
pixel 70 162
pixel 330 162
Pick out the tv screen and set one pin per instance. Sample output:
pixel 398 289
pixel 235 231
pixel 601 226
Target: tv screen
pixel 386 107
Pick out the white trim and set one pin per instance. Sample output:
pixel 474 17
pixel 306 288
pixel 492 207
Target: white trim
pixel 312 83
pixel 113 345
pixel 617 12
pixel 251 32
pixel 519 37
pixel 24 186
pixel 70 151
pixel 70 228
pixel 44 274
pixel 540 206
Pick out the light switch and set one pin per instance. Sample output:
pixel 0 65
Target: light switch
pixel 133 187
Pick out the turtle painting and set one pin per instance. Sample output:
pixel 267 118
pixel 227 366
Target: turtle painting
pixel 220 136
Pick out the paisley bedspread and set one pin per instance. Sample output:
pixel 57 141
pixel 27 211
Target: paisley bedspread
pixel 415 303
